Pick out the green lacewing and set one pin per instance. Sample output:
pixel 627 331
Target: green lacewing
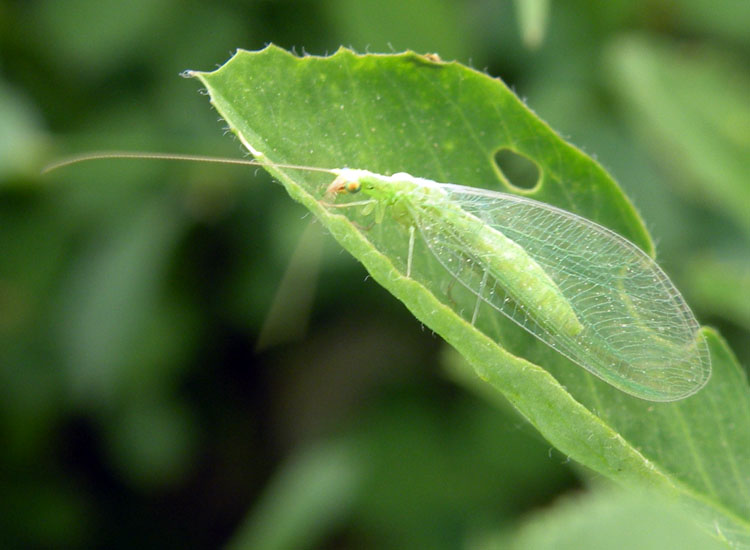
pixel 582 289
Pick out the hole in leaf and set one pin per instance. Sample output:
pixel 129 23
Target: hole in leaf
pixel 519 170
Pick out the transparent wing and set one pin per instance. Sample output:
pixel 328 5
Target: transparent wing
pixel 638 332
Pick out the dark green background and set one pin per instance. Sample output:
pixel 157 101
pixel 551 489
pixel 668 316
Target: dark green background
pixel 135 405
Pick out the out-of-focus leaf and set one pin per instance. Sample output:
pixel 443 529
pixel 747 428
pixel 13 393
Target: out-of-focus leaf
pixel 111 297
pixel 532 19
pixel 721 287
pixel 152 442
pixel 22 143
pixel 92 36
pixel 290 309
pixel 307 497
pixel 443 121
pixel 693 103
pixel 615 520
pixel 723 18
pixel 385 25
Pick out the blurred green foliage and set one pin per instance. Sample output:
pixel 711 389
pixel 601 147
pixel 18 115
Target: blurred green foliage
pixel 134 407
pixel 612 520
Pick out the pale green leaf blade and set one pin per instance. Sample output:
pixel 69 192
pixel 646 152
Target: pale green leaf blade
pixel 532 20
pixel 306 498
pixel 615 520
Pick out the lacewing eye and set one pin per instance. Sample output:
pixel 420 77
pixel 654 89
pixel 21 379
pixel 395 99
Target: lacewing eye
pixel 353 186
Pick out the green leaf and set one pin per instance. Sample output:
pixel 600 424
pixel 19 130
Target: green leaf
pixel 443 121
pixel 693 106
pixel 722 286
pixel 532 19
pixel 307 497
pixel 109 299
pixel 362 23
pixel 22 142
pixel 726 19
pixel 616 520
